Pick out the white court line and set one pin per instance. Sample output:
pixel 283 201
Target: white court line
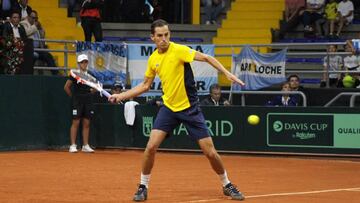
pixel 283 194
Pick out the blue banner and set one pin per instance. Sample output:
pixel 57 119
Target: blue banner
pixel 107 62
pixel 258 70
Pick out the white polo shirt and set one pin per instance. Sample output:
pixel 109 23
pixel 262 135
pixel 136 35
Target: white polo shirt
pixel 344 8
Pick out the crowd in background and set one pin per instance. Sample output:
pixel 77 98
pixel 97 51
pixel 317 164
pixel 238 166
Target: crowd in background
pixel 20 31
pixel 140 11
pixel 320 18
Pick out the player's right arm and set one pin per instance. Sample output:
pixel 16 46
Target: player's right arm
pixel 67 87
pixel 134 92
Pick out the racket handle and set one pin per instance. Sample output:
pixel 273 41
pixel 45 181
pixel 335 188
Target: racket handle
pixel 105 93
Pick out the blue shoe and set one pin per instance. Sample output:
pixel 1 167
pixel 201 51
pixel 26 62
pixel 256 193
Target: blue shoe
pixel 141 194
pixel 233 192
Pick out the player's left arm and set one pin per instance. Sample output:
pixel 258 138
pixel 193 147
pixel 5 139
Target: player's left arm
pixel 217 65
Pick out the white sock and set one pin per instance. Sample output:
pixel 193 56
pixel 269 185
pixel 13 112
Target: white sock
pixel 224 179
pixel 144 180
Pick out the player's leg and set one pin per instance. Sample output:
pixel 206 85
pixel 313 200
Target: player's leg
pixel 194 122
pixel 85 133
pixel 73 133
pixel 165 122
pixel 207 146
pixel 76 115
pixel 87 114
pixel 156 138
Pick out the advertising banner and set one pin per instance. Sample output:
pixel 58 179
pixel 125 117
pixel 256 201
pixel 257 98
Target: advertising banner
pixel 313 130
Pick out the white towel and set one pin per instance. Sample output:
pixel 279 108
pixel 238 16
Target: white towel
pixel 129 112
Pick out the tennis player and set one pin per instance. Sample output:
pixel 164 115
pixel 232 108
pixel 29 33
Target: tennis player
pixel 171 62
pixel 81 107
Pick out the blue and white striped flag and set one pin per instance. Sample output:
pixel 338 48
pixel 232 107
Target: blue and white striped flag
pixel 107 62
pixel 258 70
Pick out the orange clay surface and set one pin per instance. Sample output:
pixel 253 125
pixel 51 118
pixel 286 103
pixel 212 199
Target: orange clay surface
pixel 112 176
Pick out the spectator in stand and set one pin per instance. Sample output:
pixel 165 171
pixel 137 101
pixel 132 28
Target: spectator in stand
pixel 30 28
pixel 333 63
pixel 145 16
pixel 6 7
pixel 213 9
pixel 70 7
pixel 91 20
pixel 330 15
pixel 43 56
pixel 284 99
pixel 345 15
pixel 352 63
pixel 24 9
pixel 215 98
pixel 131 11
pixel 13 27
pixel 16 31
pixel 158 10
pixel 111 10
pixel 313 14
pixel 294 82
pixel 293 10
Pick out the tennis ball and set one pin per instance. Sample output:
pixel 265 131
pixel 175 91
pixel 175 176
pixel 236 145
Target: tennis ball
pixel 348 81
pixel 253 119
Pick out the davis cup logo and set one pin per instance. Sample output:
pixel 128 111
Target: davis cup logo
pixel 278 126
pixel 147 125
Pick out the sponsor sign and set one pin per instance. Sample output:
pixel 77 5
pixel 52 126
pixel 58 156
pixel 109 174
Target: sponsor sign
pixel 313 130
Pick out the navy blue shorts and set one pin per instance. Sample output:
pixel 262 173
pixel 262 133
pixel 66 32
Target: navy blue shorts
pixel 192 118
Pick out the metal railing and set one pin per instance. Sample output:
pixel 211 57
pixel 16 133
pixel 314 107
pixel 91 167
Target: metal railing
pixel 66 51
pixel 352 98
pixel 243 93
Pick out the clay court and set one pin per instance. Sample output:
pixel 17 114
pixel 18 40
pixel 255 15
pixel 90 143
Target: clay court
pixel 113 175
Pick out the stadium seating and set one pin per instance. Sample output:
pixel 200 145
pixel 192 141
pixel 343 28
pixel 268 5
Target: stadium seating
pixel 57 26
pixel 247 22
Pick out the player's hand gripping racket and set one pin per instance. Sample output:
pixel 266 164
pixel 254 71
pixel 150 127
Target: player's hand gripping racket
pixel 87 79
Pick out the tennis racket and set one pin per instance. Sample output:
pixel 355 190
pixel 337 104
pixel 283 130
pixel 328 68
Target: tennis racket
pixel 87 79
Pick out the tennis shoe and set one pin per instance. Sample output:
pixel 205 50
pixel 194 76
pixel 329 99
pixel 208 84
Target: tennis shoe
pixel 72 148
pixel 141 194
pixel 87 148
pixel 233 192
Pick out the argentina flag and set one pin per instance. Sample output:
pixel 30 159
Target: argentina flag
pixel 258 70
pixel 107 62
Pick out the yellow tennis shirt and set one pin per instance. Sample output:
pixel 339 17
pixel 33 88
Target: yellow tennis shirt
pixel 177 79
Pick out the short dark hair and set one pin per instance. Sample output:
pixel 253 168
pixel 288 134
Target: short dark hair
pixel 158 23
pixel 293 76
pixel 15 11
pixel 214 86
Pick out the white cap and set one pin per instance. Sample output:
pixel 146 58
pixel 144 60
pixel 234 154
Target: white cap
pixel 82 57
